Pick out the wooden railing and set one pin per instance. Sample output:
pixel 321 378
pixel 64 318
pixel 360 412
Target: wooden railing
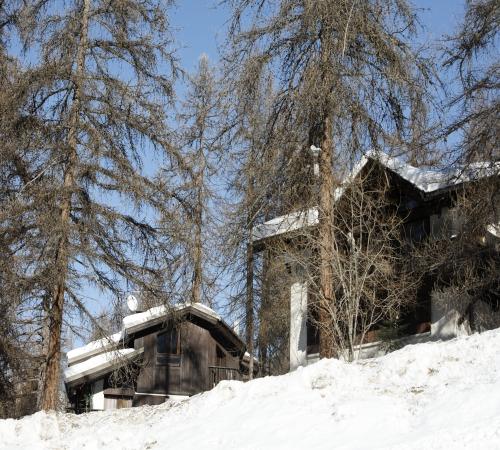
pixel 218 374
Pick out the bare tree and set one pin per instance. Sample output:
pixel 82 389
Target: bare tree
pixel 348 80
pixel 19 348
pixel 462 253
pixel 249 173
pixel 96 100
pixel 198 131
pixel 370 258
pixel 472 54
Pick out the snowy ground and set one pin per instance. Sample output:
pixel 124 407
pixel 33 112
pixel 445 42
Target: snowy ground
pixel 427 396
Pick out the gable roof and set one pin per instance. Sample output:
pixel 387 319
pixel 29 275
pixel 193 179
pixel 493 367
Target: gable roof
pixel 108 353
pixel 158 314
pixel 427 180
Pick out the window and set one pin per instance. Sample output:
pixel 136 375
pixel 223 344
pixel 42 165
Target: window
pixel 167 347
pixel 415 231
pixel 448 224
pixel 220 356
pixel 168 342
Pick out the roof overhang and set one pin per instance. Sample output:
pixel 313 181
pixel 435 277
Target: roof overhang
pixel 99 365
pixel 94 348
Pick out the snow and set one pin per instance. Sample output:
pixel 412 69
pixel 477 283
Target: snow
pixel 98 363
pixel 286 224
pixel 431 180
pixel 494 229
pixel 439 395
pixel 94 348
pixel 160 312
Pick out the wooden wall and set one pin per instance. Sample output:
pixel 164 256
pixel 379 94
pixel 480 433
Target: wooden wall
pixel 190 374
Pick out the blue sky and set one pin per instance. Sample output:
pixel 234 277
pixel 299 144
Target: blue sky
pixel 200 25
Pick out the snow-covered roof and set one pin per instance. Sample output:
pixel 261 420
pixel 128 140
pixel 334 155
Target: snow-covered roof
pixel 425 179
pixel 285 224
pixel 94 348
pixel 159 313
pixel 430 180
pixel 78 357
pixel 100 363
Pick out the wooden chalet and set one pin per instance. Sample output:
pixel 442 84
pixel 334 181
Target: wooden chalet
pixel 159 354
pixel 426 200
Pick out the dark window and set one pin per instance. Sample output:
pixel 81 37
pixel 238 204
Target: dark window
pixel 221 356
pixel 168 342
pixel 167 348
pixel 416 231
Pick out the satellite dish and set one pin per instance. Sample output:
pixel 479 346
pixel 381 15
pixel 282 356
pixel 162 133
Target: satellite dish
pixel 132 303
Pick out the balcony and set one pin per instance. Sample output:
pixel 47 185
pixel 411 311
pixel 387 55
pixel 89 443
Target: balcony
pixel 218 374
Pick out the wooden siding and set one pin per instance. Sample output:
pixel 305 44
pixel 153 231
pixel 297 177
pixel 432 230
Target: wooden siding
pixel 191 374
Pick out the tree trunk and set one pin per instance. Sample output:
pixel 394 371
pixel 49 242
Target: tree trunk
pixel 326 349
pixel 249 307
pixel 250 267
pixel 50 397
pixel 198 249
pixel 263 314
pixel 43 350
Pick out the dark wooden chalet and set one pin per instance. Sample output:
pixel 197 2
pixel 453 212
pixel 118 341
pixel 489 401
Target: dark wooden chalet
pixel 426 201
pixel 159 354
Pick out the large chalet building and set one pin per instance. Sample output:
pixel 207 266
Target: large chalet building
pixel 426 199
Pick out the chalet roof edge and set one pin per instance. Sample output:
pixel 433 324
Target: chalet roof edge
pixel 98 364
pixel 426 180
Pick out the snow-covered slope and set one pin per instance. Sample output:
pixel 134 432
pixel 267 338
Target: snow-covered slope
pixel 434 395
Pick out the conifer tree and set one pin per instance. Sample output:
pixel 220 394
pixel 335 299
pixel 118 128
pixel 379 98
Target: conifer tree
pixel 348 81
pixel 199 143
pixel 97 94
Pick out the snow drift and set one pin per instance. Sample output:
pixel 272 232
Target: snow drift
pixel 441 395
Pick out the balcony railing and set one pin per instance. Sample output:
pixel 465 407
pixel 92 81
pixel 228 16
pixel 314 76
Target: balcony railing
pixel 218 374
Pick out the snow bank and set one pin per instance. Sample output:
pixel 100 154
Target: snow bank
pixel 433 395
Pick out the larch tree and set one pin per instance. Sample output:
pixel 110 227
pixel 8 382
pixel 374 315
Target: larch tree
pixel 98 89
pixel 249 183
pixel 18 349
pixel 198 141
pixel 473 60
pixel 348 79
